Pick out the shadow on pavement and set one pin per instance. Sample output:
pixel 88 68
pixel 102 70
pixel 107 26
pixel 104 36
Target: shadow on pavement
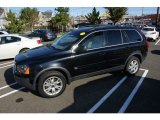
pixel 88 94
pixel 9 78
pixel 147 99
pixel 157 52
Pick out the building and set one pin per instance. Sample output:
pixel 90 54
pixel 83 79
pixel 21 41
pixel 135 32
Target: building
pixel 44 17
pixel 151 19
pixel 3 13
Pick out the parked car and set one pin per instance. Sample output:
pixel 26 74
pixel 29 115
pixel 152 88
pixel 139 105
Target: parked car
pixel 85 52
pixel 150 32
pixel 45 35
pixel 12 44
pixel 3 32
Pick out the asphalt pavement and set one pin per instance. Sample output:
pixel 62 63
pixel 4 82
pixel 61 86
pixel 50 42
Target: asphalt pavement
pixel 107 93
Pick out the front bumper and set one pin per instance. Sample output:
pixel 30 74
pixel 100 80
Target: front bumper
pixel 23 80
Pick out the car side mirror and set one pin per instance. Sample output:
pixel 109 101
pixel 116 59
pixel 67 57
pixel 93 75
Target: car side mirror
pixel 77 49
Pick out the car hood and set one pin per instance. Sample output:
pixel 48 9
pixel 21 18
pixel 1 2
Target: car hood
pixel 39 53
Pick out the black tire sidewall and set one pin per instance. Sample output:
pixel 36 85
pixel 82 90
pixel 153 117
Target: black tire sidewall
pixel 130 60
pixel 44 77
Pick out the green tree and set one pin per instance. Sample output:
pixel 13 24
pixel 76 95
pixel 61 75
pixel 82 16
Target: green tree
pixel 30 16
pixel 14 24
pixel 61 18
pixel 116 13
pixel 93 18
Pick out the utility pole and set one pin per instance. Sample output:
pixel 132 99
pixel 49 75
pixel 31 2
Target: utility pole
pixel 157 17
pixel 142 16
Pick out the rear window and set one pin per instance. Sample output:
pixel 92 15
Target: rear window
pixel 113 37
pixel 131 36
pixel 148 29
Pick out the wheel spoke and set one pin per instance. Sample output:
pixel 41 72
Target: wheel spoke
pixel 133 66
pixel 52 85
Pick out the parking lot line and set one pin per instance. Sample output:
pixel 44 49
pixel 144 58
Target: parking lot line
pixel 105 97
pixel 6 66
pixel 8 85
pixel 6 63
pixel 9 93
pixel 157 42
pixel 129 99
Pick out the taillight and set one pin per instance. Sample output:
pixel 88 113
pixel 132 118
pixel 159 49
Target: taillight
pixel 39 41
pixel 147 44
pixel 153 33
pixel 46 34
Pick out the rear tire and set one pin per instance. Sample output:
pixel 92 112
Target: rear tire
pixel 24 50
pixel 132 66
pixel 51 84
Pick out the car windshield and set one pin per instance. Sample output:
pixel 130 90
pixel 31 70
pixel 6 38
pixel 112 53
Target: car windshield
pixel 67 40
pixel 148 29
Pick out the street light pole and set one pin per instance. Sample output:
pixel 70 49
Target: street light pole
pixel 157 17
pixel 142 16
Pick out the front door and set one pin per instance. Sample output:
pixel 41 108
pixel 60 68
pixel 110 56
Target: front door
pixel 90 55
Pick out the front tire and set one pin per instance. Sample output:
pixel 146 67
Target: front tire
pixel 51 84
pixel 132 66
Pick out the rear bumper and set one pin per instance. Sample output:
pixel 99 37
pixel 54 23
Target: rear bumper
pixel 151 36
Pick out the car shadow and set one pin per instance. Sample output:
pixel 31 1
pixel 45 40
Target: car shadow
pixel 146 99
pixel 9 78
pixel 157 52
pixel 88 94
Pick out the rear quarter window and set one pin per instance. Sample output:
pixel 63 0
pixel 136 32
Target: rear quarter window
pixel 131 36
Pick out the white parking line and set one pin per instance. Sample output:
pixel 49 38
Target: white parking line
pixel 104 98
pixel 6 63
pixel 8 85
pixel 157 42
pixel 9 93
pixel 129 99
pixel 6 66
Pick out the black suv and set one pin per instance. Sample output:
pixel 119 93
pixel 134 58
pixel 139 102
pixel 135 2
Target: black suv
pixel 80 53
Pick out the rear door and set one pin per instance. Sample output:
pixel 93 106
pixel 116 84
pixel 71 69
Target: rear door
pixel 116 51
pixel 10 46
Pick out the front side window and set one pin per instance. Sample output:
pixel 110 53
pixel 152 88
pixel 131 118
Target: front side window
pixel 113 37
pixel 95 40
pixel 132 35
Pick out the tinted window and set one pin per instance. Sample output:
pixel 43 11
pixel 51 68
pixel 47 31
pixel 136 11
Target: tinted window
pixel 1 33
pixel 148 29
pixel 95 40
pixel 113 37
pixel 125 37
pixel 132 35
pixel 9 39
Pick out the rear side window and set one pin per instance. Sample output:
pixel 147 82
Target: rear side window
pixel 9 39
pixel 113 37
pixel 132 35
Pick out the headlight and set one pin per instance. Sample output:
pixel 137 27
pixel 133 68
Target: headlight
pixel 24 69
